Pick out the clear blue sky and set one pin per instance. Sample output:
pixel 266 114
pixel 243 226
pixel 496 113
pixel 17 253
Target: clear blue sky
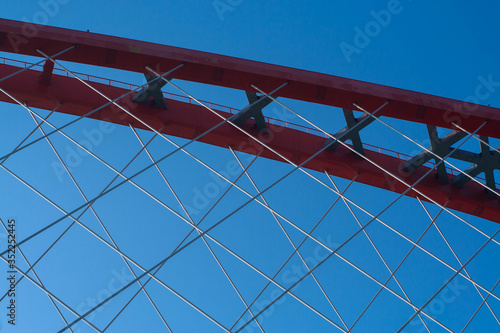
pixel 431 47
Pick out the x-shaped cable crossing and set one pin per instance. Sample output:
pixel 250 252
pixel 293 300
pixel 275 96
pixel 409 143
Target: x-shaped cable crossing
pixel 204 233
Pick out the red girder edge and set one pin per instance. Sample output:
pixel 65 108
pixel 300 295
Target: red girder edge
pixel 188 120
pixel 214 69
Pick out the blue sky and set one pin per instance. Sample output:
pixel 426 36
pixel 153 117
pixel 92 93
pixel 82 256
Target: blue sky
pixel 435 48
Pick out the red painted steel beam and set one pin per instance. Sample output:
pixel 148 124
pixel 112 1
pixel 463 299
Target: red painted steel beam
pixel 48 68
pixel 188 121
pixel 133 55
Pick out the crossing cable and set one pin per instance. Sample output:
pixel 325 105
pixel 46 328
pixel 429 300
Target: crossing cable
pixel 380 256
pixel 36 276
pixel 376 165
pixel 479 307
pixel 206 231
pixel 79 216
pixel 36 63
pixel 351 237
pixel 335 139
pixel 393 273
pixel 103 239
pixel 80 117
pixel 431 152
pixel 152 276
pixel 383 169
pixel 459 261
pixel 45 290
pixel 144 123
pixel 301 229
pixel 449 280
pixel 224 271
pixel 293 253
pixel 157 200
pixel 168 81
pixel 106 243
pixel 296 250
pixel 99 219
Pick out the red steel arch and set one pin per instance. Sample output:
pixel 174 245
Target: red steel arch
pixel 188 120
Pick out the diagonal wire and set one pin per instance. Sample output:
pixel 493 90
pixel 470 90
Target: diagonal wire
pixel 394 272
pixel 478 138
pixel 33 131
pixel 127 179
pixel 356 233
pixel 378 253
pixel 114 102
pixel 198 160
pixel 292 254
pixel 207 230
pixel 183 246
pixel 167 139
pixel 36 64
pixel 162 77
pixel 99 219
pixel 82 213
pixel 432 153
pixel 1 163
pixel 432 255
pixel 449 280
pixel 111 246
pixel 321 262
pixel 240 129
pixel 408 240
pixel 459 261
pixel 367 275
pixel 79 216
pixel 166 206
pixel 224 271
pixel 36 276
pixel 194 99
pixel 479 308
pixel 384 171
pixel 355 267
pixel 364 157
pixel 417 191
pixel 78 118
pixel 335 139
pixel 271 280
pixel 24 274
pixel 182 241
pixel 291 242
pixel 168 81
